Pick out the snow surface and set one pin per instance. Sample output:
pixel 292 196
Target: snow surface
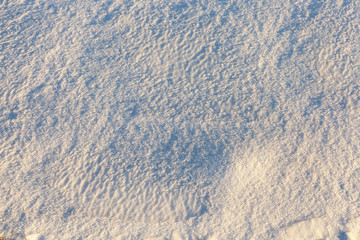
pixel 199 119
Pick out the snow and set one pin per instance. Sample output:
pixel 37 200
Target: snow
pixel 179 119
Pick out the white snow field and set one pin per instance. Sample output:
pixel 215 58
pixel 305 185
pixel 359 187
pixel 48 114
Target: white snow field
pixel 192 119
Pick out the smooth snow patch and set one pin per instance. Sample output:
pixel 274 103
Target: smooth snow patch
pixel 353 227
pixel 315 228
pixel 35 237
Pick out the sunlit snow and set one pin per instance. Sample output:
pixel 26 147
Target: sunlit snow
pixel 179 119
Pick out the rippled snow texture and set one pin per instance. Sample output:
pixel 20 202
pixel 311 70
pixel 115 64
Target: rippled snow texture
pixel 179 119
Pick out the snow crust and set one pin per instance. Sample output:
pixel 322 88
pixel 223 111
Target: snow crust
pixel 179 119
